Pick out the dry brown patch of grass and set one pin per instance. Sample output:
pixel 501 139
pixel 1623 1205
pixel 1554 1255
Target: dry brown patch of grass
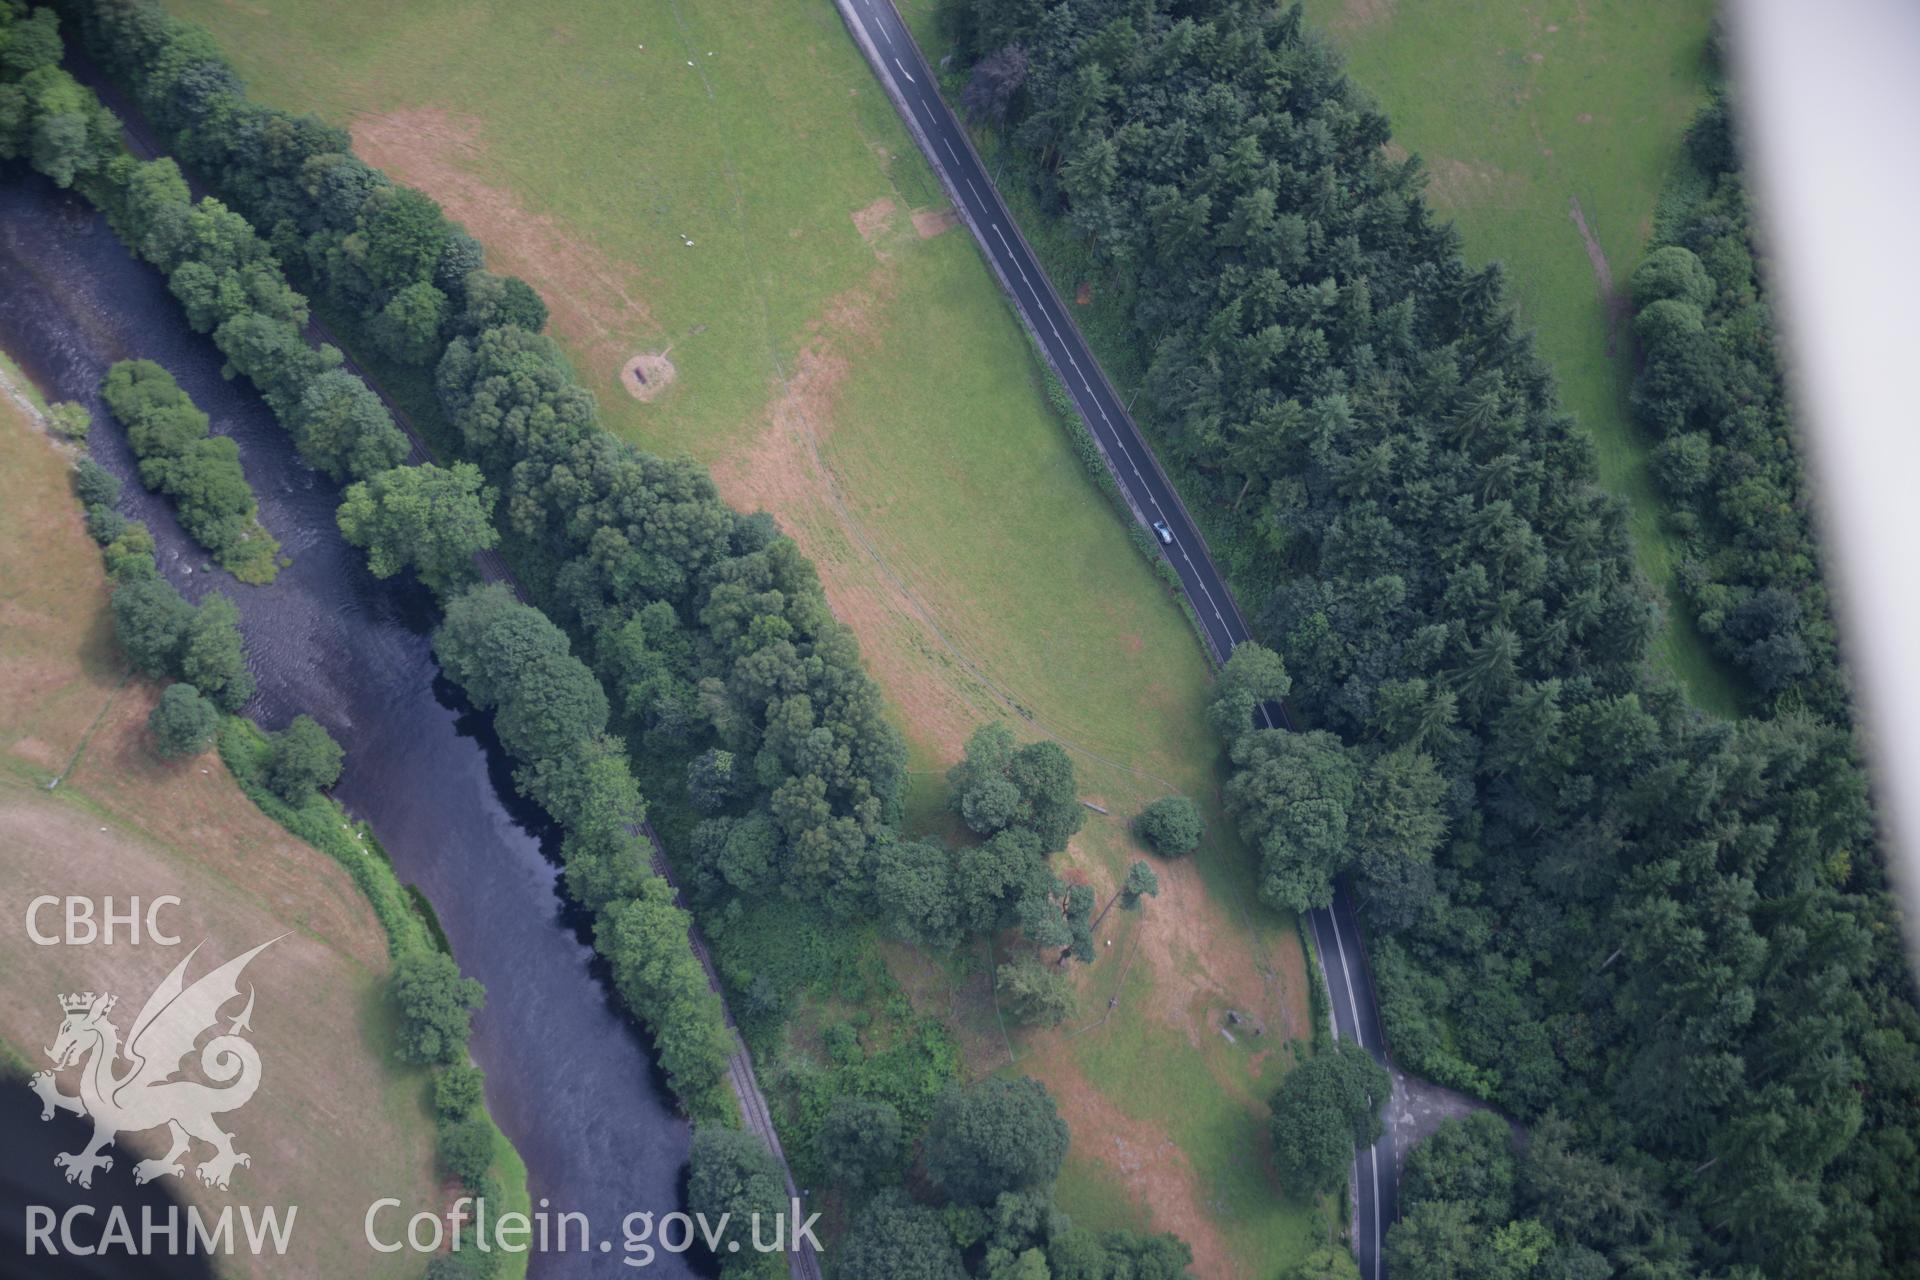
pixel 335 1125
pixel 1159 1179
pixel 1452 183
pixel 597 302
pixel 1206 964
pixel 1176 965
pixel 58 661
pixel 196 805
pixel 1356 15
pixel 1204 956
pixel 875 220
pixel 784 473
pixel 928 223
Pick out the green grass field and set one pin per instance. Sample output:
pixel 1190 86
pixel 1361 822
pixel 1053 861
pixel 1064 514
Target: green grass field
pixel 853 369
pixel 1519 111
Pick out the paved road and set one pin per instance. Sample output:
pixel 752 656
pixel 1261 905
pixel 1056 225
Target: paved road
pixel 878 30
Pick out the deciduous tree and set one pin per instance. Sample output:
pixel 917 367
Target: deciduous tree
pixel 427 518
pixel 994 1136
pixel 860 1141
pixel 436 1007
pixel 182 722
pixel 1035 994
pixel 1325 1108
pixel 302 759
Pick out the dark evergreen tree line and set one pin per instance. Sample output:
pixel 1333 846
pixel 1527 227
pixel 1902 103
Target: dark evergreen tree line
pixel 1586 899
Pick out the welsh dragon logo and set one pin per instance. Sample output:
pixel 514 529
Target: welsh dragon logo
pixel 143 1094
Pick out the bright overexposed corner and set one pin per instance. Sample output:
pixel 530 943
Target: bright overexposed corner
pixel 1828 98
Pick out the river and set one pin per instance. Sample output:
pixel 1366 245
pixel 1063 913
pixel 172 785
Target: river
pixel 569 1077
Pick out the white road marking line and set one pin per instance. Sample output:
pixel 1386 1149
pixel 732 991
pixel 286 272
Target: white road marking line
pixel 950 151
pixel 903 71
pixel 1360 1038
pixel 1373 1153
pixel 1353 1006
pixel 1373 1158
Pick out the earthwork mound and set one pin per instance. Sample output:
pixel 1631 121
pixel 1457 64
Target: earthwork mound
pixel 646 375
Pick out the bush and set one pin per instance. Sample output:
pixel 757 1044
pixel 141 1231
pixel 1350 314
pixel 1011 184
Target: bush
pixel 1171 825
pixel 1672 272
pixel 466 1148
pixel 341 427
pixel 657 974
pixel 150 619
pixel 183 722
pixel 511 660
pixel 732 1176
pixel 1141 882
pixel 893 1238
pixel 459 1090
pixel 1334 1262
pixel 94 485
pixel 105 525
pixel 212 655
pixel 129 556
pixel 999 785
pixel 70 420
pixel 430 519
pixel 49 118
pixel 712 780
pixel 468 1264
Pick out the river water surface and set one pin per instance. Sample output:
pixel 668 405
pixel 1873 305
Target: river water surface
pixel 569 1077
